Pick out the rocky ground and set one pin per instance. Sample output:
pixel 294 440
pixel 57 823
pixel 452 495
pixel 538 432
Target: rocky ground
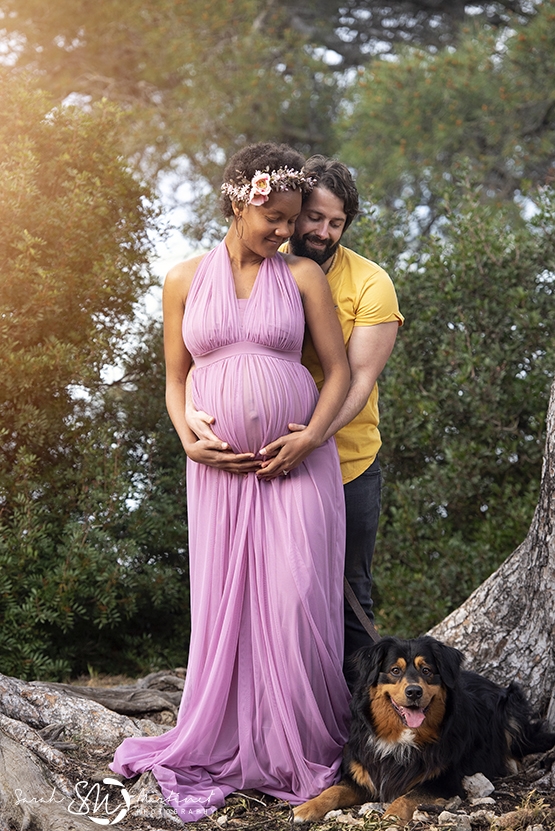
pixel 56 743
pixel 524 801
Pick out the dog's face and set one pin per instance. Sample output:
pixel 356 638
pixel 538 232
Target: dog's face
pixel 403 685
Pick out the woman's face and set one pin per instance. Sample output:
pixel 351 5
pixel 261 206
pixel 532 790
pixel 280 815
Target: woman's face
pixel 267 226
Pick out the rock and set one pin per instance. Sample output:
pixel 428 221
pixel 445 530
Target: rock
pixel 377 807
pixel 544 782
pixel 482 800
pixel 460 822
pixel 453 804
pixel 348 819
pixel 420 816
pixel 482 817
pixel 332 815
pixel 477 785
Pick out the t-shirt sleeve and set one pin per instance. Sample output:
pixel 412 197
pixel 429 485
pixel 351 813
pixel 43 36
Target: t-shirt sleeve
pixel 378 301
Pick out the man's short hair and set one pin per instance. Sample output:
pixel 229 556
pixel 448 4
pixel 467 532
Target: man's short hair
pixel 337 178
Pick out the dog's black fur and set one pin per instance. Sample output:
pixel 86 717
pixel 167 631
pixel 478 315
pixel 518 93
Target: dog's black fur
pixel 420 724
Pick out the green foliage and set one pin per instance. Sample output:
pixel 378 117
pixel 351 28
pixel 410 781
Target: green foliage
pixel 81 580
pixel 88 592
pixel 416 120
pixel 463 400
pixel 73 252
pixel 199 79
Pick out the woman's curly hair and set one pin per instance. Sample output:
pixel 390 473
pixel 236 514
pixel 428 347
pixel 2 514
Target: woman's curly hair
pixel 265 155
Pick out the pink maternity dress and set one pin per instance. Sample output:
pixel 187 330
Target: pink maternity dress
pixel 265 704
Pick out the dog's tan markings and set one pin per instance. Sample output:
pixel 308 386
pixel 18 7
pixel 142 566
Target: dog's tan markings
pixel 430 729
pixel 401 664
pixel 387 724
pixel 405 806
pixel 362 777
pixel 338 796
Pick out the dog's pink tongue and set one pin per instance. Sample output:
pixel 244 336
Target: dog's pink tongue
pixel 414 718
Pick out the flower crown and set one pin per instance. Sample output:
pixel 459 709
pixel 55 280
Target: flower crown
pixel 258 189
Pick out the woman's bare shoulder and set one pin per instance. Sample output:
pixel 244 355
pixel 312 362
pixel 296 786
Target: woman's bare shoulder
pixel 179 277
pixel 304 270
pixel 184 271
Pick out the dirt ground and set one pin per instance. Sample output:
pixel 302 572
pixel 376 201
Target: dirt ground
pixel 524 801
pixel 527 793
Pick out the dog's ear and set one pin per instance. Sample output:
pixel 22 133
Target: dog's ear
pixel 448 660
pixel 367 661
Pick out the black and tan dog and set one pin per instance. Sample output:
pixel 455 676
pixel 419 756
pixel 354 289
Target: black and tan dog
pixel 420 724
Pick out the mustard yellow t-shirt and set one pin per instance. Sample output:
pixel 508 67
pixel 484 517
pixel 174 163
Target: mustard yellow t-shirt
pixel 364 295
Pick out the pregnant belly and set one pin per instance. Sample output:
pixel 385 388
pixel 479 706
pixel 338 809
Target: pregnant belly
pixel 253 398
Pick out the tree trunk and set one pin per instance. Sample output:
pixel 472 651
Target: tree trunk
pixel 506 628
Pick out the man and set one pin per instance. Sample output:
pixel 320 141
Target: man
pixel 369 315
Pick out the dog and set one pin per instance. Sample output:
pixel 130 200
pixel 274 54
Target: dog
pixel 420 724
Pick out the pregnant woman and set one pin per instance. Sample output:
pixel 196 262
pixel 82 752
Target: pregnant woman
pixel 265 704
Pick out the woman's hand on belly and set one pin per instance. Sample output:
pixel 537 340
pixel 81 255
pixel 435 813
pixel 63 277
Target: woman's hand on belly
pixel 209 453
pixel 212 451
pixel 287 452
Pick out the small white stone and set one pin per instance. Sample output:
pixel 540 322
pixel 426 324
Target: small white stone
pixel 420 816
pixel 482 800
pixel 461 822
pixel 535 828
pixel 477 785
pixel 545 781
pixel 348 819
pixel 453 803
pixel 483 816
pixel 222 820
pixel 370 806
pixel 332 815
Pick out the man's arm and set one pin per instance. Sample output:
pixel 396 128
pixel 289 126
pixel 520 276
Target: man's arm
pixel 368 351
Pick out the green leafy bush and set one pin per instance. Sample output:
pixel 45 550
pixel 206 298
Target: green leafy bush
pixel 81 582
pixel 463 398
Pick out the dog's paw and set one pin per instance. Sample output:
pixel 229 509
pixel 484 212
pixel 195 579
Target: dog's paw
pixel 308 812
pixel 338 796
pixel 403 808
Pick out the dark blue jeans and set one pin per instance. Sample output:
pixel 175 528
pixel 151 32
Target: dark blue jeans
pixel 362 503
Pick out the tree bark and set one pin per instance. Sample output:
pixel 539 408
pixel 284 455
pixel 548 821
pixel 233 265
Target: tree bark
pixel 48 736
pixel 506 627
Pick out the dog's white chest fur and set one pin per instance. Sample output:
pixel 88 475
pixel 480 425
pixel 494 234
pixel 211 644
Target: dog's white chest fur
pixel 401 749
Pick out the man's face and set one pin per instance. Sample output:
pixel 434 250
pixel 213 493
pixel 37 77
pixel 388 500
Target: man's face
pixel 319 227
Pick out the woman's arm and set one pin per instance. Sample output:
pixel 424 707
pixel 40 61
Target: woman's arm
pixel 322 322
pixel 177 357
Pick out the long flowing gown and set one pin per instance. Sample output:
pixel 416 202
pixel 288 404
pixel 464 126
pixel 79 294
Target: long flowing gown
pixel 265 704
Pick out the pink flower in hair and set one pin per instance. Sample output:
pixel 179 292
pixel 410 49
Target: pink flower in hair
pixel 260 188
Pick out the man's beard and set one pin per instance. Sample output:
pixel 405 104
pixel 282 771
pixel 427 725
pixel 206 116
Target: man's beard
pixel 300 246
